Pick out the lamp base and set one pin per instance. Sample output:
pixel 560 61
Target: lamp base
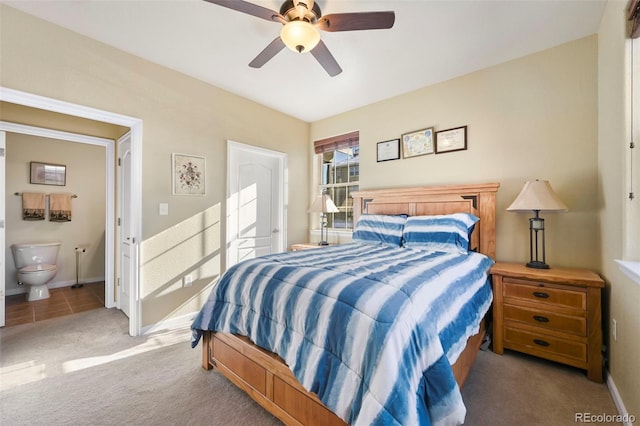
pixel 323 243
pixel 537 265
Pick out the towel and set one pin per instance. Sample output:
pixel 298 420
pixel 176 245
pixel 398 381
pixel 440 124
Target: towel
pixel 33 205
pixel 60 207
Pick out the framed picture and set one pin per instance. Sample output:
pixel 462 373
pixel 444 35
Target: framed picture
pixel 48 174
pixel 451 140
pixel 188 174
pixel 388 150
pixel 417 143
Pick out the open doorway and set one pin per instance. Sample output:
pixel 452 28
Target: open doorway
pixel 79 238
pixel 135 193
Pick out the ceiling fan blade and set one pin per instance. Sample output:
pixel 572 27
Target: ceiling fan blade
pixel 249 8
pixel 356 21
pixel 326 59
pixel 269 52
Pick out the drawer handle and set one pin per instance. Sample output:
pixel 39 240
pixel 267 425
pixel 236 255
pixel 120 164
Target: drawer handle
pixel 541 295
pixel 540 318
pixel 541 342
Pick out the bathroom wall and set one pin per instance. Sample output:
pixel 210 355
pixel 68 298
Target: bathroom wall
pixel 86 177
pixel 20 114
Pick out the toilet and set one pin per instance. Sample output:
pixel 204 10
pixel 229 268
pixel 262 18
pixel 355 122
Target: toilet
pixel 36 264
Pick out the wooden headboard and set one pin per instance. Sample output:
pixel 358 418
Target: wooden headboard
pixel 479 199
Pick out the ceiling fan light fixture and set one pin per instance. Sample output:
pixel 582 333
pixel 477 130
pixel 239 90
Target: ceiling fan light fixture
pixel 302 22
pixel 300 36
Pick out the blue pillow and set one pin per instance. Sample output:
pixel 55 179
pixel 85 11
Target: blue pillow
pixel 379 228
pixel 446 233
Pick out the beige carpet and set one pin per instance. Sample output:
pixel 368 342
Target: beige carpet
pixel 85 370
pixel 518 389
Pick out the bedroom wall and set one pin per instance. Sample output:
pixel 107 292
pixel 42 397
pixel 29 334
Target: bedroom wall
pixel 180 114
pixel 530 118
pixel 622 293
pixel 86 175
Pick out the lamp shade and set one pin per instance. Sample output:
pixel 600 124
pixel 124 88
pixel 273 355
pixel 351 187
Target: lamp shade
pixel 300 36
pixel 323 204
pixel 538 195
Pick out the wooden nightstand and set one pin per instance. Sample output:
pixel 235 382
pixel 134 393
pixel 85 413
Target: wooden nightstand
pixel 550 313
pixel 305 246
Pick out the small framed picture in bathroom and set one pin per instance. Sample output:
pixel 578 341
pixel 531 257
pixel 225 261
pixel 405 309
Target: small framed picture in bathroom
pixel 48 174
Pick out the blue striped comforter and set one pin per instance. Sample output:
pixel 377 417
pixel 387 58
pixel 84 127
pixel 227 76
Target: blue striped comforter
pixel 371 329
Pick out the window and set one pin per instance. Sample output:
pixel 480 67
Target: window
pixel 339 159
pixel 631 265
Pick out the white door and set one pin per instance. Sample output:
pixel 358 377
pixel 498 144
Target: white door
pixel 124 222
pixel 256 202
pixel 3 146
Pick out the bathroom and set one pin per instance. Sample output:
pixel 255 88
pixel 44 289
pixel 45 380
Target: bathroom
pixel 85 177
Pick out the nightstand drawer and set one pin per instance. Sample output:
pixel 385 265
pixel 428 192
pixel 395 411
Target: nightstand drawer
pixel 549 320
pixel 538 292
pixel 534 342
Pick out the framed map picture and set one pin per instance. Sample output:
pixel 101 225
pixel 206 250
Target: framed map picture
pixel 417 143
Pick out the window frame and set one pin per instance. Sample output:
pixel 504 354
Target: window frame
pixel 334 145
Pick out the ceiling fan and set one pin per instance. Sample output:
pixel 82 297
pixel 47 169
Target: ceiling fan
pixel 301 20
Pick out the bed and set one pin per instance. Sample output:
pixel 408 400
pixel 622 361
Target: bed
pixel 299 392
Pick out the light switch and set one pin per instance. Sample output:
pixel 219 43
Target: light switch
pixel 163 209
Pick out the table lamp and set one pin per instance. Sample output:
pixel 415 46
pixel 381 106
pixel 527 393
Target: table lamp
pixel 323 205
pixel 537 196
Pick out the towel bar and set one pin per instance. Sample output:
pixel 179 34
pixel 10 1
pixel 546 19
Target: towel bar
pixel 20 193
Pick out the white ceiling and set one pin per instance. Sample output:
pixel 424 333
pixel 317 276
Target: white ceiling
pixel 431 41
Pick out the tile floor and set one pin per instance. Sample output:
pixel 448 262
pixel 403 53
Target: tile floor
pixel 62 301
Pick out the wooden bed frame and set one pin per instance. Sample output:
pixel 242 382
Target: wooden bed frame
pixel 265 377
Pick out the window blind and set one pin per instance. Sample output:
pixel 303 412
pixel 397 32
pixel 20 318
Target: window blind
pixel 348 140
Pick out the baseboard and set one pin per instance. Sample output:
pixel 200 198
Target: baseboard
pixel 183 321
pixel 58 284
pixel 15 291
pixel 617 400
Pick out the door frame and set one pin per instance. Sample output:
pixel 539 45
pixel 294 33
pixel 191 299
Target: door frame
pixel 3 153
pixel 135 124
pixel 282 190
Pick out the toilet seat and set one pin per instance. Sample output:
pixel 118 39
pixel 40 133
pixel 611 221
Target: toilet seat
pixel 37 268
